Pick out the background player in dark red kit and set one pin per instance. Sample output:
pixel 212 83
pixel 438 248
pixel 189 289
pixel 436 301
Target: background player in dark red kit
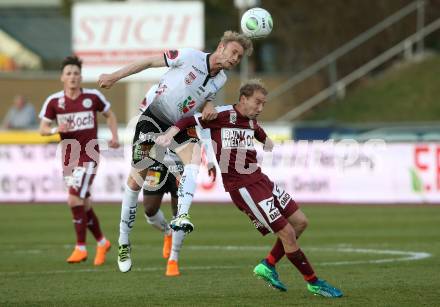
pixel 74 110
pixel 270 208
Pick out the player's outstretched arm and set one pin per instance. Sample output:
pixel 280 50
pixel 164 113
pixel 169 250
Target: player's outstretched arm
pixel 165 139
pixel 112 124
pixel 107 80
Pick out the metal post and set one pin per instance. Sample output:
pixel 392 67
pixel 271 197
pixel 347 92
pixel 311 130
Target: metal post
pixel 408 50
pixel 332 76
pixel 420 26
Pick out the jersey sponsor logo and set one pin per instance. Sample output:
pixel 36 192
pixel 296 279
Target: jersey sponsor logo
pixel 186 105
pixel 78 120
pixel 146 137
pixel 87 103
pixel 190 78
pixel 235 138
pixel 160 89
pixel 257 224
pixel 139 154
pixel 176 169
pixel 172 54
pixel 153 178
pixel 282 196
pixel 268 206
pixel 158 167
pixel 61 103
pixel 232 117
pixel 198 70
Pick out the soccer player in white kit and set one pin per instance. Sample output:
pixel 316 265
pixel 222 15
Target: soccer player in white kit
pixel 189 85
pixel 164 178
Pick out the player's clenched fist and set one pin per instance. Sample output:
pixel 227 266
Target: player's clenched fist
pixel 113 143
pixel 268 145
pixel 106 80
pixel 63 128
pixel 164 140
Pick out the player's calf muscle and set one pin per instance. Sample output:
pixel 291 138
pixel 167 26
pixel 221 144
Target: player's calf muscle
pixel 287 236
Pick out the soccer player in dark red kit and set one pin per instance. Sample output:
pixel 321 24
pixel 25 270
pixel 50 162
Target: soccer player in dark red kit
pixel 74 110
pixel 270 208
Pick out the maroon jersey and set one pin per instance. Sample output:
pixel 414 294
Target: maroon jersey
pixel 80 117
pixel 233 137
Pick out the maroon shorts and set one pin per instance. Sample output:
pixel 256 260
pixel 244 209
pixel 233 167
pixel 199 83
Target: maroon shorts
pixel 266 204
pixel 79 179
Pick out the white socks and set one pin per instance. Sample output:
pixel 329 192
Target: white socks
pixel 178 237
pixel 187 187
pixel 128 214
pixel 158 221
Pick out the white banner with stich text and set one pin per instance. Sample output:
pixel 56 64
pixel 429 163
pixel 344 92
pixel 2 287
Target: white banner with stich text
pixel 313 172
pixel 108 36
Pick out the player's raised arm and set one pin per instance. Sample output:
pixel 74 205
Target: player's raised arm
pixel 107 80
pixel 165 139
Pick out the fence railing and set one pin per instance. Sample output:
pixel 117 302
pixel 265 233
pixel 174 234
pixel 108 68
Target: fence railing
pixel 341 84
pixel 330 60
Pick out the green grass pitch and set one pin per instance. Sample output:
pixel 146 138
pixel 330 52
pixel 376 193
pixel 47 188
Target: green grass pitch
pixel 361 249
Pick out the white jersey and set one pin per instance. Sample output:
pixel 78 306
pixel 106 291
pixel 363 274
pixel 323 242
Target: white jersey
pixel 149 97
pixel 186 86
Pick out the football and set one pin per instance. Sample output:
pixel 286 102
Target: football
pixel 256 23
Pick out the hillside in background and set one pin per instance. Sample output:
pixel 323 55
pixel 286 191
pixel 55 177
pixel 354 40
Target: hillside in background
pixel 407 93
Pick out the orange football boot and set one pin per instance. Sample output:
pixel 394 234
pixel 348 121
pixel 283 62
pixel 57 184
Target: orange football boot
pixel 77 256
pixel 167 243
pixel 172 268
pixel 101 251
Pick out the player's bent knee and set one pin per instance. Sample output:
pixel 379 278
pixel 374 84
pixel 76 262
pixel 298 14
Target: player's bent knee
pixel 299 221
pixel 135 184
pixel 303 223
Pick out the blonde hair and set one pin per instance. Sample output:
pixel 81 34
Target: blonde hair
pixel 249 87
pixel 244 41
